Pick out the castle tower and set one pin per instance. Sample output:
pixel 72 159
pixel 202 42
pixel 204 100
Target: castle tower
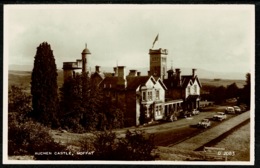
pixel 158 62
pixel 85 59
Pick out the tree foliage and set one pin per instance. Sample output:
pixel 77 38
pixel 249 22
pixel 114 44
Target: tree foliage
pixel 18 100
pixel 85 108
pixel 112 115
pixel 27 137
pixel 134 146
pixel 44 86
pixel 245 96
pixel 80 104
pixel 232 91
pixel 220 94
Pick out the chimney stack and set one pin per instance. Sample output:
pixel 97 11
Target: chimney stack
pixel 138 73
pixel 178 76
pixel 132 72
pixel 121 82
pixel 115 71
pixel 97 68
pixel 170 73
pixel 193 72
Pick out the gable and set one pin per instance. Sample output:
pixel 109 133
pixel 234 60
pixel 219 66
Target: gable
pixel 198 81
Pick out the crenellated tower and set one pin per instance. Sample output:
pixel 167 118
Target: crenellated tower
pixel 158 62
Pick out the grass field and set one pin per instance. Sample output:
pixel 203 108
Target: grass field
pixel 23 78
pixel 239 142
pixel 222 82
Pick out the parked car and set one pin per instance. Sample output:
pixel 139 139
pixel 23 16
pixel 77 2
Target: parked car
pixel 237 109
pixel 195 112
pixel 219 116
pixel 171 118
pixel 185 114
pixel 243 107
pixel 205 123
pixel 230 110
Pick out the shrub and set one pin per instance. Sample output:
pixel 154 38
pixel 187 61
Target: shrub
pixel 107 146
pixel 26 138
pixel 18 100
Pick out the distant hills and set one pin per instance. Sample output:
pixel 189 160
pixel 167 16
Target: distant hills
pixel 23 78
pixel 206 74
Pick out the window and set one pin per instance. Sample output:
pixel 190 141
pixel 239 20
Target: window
pixel 156 111
pixel 150 95
pixel 163 70
pixel 188 89
pixel 157 94
pixel 144 96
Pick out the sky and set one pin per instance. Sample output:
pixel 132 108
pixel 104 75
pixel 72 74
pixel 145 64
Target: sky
pixel 210 37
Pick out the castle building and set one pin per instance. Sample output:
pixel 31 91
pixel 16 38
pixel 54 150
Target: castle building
pixel 186 87
pixel 158 62
pixel 143 99
pixel 70 69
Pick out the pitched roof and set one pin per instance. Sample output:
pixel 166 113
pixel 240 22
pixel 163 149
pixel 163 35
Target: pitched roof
pixel 100 74
pixel 186 79
pixel 109 82
pixel 134 82
pixel 161 82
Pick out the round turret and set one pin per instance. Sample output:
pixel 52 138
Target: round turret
pixel 86 51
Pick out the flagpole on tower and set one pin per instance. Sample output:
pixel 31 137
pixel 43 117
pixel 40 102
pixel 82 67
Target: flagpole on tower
pixel 156 39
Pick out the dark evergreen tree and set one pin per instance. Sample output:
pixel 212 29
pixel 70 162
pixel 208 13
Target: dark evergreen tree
pixel 232 91
pixel 245 92
pixel 44 86
pixel 81 104
pixel 220 94
pixel 92 104
pixel 71 105
pixel 112 114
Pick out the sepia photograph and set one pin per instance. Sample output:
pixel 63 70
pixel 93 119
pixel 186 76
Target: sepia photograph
pixel 129 84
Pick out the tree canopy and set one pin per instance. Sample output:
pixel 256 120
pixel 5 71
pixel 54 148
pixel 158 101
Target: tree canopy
pixel 44 86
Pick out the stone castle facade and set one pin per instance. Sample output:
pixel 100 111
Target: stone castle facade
pixel 158 95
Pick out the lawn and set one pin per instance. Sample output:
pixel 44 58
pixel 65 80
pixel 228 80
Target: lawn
pixel 239 142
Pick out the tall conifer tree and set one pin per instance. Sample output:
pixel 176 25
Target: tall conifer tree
pixel 44 86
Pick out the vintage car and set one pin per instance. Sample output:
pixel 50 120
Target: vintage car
pixel 219 116
pixel 205 123
pixel 237 109
pixel 185 114
pixel 195 112
pixel 230 110
pixel 243 108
